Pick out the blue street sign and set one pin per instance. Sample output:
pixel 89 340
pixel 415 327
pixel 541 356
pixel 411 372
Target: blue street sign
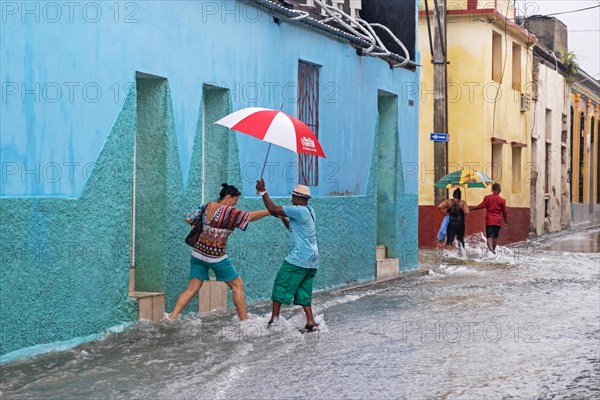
pixel 439 137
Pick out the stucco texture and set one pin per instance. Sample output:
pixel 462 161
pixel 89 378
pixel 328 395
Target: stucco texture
pixel 82 287
pixel 65 262
pixel 79 283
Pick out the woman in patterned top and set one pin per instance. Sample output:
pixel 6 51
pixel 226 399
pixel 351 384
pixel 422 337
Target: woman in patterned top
pixel 219 219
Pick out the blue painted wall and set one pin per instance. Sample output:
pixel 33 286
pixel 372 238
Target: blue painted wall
pixel 69 113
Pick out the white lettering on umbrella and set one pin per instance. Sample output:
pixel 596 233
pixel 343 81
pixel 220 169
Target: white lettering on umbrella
pixel 307 142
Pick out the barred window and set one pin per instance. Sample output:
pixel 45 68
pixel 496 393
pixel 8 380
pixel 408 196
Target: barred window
pixel 308 112
pixel 581 155
pixel 597 157
pixel 572 160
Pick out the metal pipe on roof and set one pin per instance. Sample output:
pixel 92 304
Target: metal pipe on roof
pixel 290 14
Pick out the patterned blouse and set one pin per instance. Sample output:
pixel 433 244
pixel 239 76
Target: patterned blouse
pixel 212 242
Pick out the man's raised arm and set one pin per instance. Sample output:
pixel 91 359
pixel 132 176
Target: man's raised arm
pixel 275 210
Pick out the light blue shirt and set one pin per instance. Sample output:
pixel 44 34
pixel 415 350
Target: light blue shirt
pixel 303 237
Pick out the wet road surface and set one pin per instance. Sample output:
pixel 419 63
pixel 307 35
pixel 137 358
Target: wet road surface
pixel 522 324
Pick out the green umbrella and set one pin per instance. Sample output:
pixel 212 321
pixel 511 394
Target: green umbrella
pixel 464 177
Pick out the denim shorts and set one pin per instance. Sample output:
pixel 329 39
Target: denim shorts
pixel 224 270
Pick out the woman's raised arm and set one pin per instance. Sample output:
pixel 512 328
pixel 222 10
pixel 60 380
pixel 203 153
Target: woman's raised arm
pixel 256 215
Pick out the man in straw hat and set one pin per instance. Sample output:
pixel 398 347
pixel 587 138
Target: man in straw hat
pixel 295 277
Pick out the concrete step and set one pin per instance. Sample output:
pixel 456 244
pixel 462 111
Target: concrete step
pixel 151 305
pixel 381 252
pixel 387 268
pixel 213 296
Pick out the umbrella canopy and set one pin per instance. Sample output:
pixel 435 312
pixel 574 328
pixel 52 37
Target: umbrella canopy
pixel 464 177
pixel 276 127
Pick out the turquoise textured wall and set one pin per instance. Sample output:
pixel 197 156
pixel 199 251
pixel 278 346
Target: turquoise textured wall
pixel 65 262
pixel 66 237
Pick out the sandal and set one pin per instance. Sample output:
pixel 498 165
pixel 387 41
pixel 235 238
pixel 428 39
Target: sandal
pixel 310 328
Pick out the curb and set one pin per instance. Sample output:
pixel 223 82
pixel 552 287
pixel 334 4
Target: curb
pixel 410 274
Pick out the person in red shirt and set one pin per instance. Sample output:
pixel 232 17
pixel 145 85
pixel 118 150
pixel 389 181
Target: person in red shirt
pixel 495 215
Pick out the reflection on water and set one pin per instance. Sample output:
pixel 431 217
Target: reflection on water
pixel 580 243
pixel 521 324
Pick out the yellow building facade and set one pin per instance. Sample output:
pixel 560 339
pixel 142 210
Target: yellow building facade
pixel 489 119
pixel 585 150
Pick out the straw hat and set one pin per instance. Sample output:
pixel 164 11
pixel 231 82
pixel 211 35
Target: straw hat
pixel 301 191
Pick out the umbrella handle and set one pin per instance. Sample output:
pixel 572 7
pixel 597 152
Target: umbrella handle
pixel 265 163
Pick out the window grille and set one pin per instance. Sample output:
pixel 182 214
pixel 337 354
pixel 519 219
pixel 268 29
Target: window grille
pixel 308 112
pixel 581 155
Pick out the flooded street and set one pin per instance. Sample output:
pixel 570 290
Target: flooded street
pixel 578 243
pixel 522 324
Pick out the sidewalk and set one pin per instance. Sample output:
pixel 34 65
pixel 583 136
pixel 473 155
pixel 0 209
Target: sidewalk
pixel 410 274
pixel 575 229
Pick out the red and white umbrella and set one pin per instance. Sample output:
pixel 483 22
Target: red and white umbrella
pixel 276 127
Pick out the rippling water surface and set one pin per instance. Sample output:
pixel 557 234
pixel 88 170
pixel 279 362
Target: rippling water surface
pixel 522 324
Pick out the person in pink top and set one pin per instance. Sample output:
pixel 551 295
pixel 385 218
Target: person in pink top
pixel 495 215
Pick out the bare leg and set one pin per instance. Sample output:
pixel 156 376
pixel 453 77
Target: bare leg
pixel 276 309
pixel 185 297
pixel 310 320
pixel 490 244
pixel 239 300
pixel 494 244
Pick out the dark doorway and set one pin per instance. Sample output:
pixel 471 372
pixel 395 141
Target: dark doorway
pixel 387 159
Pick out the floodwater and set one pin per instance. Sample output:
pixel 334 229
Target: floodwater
pixel 577 243
pixel 521 324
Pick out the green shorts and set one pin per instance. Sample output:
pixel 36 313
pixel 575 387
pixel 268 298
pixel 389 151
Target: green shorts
pixel 293 282
pixel 224 270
